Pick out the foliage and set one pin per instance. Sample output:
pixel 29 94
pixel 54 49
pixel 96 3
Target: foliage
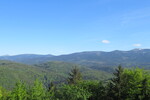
pixel 50 94
pixel 126 84
pixel 73 92
pixel 59 71
pixel 74 76
pixel 19 92
pixel 137 82
pixel 11 73
pixel 129 84
pixel 97 89
pixel 1 94
pixel 118 84
pixel 37 91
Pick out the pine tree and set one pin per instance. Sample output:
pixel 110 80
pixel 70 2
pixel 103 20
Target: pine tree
pixel 74 76
pixel 118 84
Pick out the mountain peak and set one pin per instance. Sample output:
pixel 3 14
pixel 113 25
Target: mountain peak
pixel 137 49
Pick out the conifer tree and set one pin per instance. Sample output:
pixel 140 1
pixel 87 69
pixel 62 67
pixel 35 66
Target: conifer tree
pixel 118 84
pixel 74 76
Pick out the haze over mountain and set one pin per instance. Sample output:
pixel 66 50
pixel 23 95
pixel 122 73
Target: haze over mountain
pixel 25 58
pixel 92 59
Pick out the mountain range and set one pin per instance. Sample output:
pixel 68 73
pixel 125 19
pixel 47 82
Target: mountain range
pixel 93 59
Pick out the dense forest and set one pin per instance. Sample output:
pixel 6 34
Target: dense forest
pixel 53 71
pixel 126 84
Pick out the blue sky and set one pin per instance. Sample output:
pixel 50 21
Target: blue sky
pixel 67 26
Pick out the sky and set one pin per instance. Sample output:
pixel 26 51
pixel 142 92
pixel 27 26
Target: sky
pixel 67 26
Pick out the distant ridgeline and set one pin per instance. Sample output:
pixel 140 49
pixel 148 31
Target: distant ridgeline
pixel 93 59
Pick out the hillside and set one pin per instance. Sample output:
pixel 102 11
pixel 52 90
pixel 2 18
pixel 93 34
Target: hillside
pixel 11 72
pixel 63 68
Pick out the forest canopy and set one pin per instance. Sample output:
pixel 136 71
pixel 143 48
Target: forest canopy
pixel 126 84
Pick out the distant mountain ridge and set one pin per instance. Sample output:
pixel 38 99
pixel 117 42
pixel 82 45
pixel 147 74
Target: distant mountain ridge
pixel 24 58
pixel 93 59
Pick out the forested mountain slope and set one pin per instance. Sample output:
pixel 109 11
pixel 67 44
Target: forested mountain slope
pixel 11 72
pixel 64 68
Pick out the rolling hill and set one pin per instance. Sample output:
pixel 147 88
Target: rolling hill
pixel 11 72
pixel 63 68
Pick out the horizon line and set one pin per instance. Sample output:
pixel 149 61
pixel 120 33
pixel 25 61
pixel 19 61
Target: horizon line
pixel 71 53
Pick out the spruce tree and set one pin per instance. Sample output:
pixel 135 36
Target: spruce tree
pixel 74 76
pixel 118 84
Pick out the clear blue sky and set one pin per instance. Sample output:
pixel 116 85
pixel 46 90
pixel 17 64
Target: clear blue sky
pixel 67 26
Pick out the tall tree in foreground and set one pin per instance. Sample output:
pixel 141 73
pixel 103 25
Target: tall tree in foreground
pixel 118 84
pixel 74 76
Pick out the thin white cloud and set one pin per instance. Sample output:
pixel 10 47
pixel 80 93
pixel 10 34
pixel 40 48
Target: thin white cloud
pixel 105 41
pixel 137 45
